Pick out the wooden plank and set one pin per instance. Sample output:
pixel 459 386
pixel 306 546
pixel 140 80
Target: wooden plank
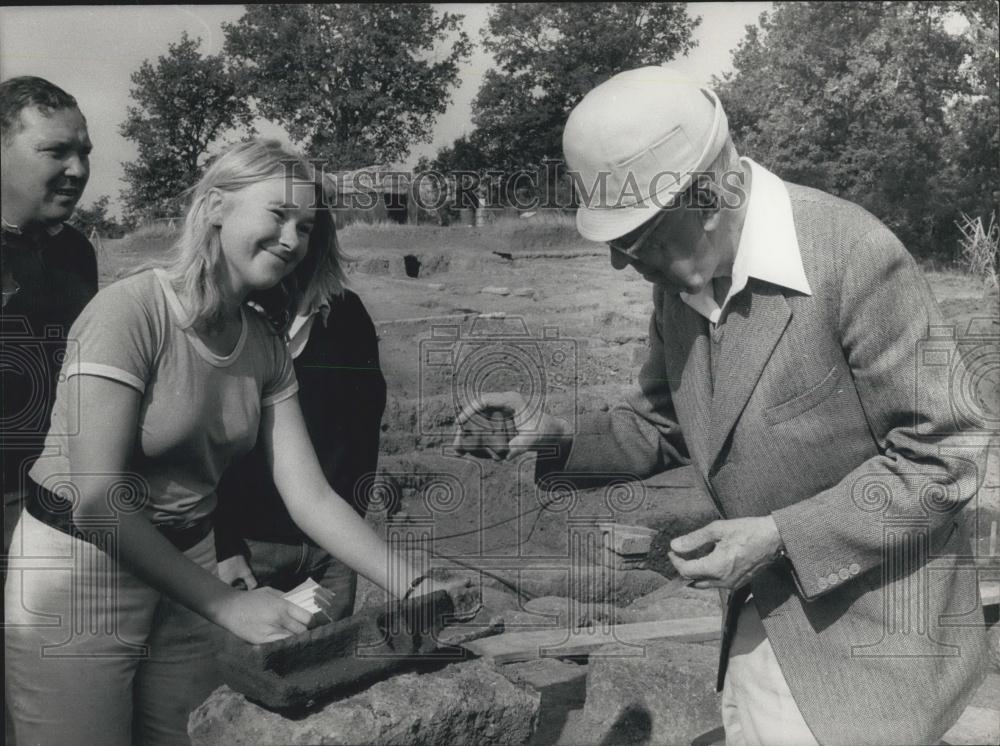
pixel 512 647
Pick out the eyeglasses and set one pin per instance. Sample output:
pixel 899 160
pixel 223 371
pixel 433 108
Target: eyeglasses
pixel 631 250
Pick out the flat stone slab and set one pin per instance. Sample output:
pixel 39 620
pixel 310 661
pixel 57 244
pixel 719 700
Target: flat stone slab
pixel 667 695
pixel 466 703
pixel 545 673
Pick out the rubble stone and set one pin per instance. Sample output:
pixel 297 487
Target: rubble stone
pixel 462 703
pixel 543 673
pixel 666 695
pixel 563 687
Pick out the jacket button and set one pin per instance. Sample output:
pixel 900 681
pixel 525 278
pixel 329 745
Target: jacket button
pixel 844 573
pixel 833 577
pixel 821 582
pixel 854 569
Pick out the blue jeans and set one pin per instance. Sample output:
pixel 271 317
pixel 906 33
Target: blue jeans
pixel 284 566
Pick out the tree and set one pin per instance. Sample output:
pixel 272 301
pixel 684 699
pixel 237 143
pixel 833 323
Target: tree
pixel 184 104
pixel 355 84
pixel 463 154
pixel 549 55
pixel 974 148
pixel 863 114
pixel 96 217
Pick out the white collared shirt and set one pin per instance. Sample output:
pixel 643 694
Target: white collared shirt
pixel 298 334
pixel 52 230
pixel 768 249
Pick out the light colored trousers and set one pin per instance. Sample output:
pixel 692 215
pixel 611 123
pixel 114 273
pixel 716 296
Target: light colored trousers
pixel 757 706
pixel 93 654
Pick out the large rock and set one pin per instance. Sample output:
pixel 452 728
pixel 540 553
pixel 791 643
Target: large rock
pixel 665 696
pixel 463 703
pixel 563 687
pixel 545 673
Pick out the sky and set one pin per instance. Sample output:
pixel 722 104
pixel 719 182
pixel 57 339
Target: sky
pixel 91 51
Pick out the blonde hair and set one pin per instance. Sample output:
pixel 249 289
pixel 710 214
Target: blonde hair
pixel 196 269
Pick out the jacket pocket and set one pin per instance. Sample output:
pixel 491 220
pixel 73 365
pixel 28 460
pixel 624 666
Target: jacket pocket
pixel 804 401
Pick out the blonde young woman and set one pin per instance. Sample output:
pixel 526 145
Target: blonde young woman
pixel 172 376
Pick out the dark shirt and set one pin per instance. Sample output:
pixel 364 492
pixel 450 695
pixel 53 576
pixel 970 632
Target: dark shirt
pixel 55 277
pixel 342 394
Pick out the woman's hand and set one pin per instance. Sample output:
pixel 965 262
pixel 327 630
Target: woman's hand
pixel 262 616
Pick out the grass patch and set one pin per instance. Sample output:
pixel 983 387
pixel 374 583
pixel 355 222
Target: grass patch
pixel 981 248
pixel 553 231
pixel 150 241
pixel 121 257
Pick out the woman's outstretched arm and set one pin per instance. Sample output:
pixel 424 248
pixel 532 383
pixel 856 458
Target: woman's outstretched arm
pixel 319 511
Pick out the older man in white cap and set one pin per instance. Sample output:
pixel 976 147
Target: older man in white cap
pixel 785 363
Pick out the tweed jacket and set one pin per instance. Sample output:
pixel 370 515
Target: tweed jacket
pixel 831 412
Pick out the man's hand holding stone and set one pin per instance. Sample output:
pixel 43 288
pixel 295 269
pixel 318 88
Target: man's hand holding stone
pixel 726 553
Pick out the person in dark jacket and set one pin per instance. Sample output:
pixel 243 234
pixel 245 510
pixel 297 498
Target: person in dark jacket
pixel 49 268
pixel 343 394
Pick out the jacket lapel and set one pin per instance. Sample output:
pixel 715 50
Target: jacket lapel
pixel 751 330
pixel 686 348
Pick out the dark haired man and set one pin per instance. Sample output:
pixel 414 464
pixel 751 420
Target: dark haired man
pixel 49 268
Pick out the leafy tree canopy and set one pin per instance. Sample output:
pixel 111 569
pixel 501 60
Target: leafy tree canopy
pixel 974 147
pixel 96 217
pixel 863 113
pixel 549 55
pixel 355 84
pixel 183 104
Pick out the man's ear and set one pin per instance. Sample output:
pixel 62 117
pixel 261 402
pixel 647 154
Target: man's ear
pixel 710 206
pixel 214 203
pixel 711 218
